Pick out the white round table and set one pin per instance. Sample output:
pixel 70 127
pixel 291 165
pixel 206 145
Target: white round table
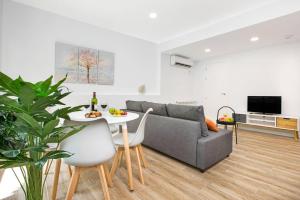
pixel 80 117
pixel 121 120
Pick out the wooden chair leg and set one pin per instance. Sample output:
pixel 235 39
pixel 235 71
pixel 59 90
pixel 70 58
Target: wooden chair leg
pixel 70 170
pixel 120 158
pixel 144 162
pixel 103 182
pixel 127 156
pixel 139 165
pixel 73 184
pixel 115 163
pixel 107 175
pixel 56 178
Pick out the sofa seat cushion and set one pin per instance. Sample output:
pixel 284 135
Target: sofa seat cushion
pixel 194 113
pixel 213 148
pixel 158 108
pixel 172 136
pixel 134 105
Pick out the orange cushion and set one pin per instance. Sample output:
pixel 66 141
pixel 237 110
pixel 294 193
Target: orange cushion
pixel 211 125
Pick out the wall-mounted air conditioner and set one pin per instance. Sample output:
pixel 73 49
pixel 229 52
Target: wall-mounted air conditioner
pixel 181 61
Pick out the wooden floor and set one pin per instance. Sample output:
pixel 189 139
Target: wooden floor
pixel 261 167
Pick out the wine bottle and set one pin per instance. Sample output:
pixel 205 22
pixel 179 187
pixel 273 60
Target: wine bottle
pixel 94 102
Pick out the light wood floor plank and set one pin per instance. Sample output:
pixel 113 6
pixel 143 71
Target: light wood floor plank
pixel 261 167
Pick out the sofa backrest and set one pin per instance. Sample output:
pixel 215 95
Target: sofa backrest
pixel 134 105
pixel 143 106
pixel 193 113
pixel 158 108
pixel 184 112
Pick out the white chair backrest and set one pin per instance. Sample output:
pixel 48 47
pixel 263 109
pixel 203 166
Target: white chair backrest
pixel 92 145
pixel 140 132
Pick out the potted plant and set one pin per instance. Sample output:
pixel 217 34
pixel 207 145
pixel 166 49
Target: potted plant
pixel 27 127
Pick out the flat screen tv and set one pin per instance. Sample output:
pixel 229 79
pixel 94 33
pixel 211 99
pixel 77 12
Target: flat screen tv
pixel 264 104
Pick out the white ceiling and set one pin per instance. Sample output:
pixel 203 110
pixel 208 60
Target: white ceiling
pixel 281 30
pixel 175 17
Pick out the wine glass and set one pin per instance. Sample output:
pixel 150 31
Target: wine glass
pixel 103 106
pixel 87 106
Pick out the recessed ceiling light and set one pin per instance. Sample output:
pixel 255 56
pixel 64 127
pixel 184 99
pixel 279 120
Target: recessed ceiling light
pixel 207 50
pixel 153 15
pixel 254 39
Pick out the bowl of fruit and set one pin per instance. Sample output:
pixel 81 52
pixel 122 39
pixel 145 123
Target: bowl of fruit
pixel 117 112
pixel 225 119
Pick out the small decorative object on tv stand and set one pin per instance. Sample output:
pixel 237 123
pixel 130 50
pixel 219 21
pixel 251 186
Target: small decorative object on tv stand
pixel 271 121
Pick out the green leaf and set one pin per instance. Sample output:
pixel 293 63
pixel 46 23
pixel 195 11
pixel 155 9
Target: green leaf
pixel 31 122
pixel 11 164
pixel 61 96
pixel 43 87
pixel 42 103
pixel 63 133
pixel 41 115
pixel 11 153
pixel 11 104
pixel 64 112
pixel 75 130
pixel 27 96
pixel 55 87
pixel 35 149
pixel 57 154
pixel 5 83
pixel 17 84
pixel 48 128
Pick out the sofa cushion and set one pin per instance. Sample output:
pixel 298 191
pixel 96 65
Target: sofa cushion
pixel 195 113
pixel 211 125
pixel 134 105
pixel 158 108
pixel 173 136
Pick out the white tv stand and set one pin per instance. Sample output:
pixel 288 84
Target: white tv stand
pixel 274 121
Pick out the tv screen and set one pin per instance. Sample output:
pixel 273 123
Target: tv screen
pixel 264 104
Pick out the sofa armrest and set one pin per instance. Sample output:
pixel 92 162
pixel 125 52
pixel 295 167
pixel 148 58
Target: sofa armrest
pixel 174 137
pixel 213 148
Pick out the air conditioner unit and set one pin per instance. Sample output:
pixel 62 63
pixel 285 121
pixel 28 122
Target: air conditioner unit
pixel 181 61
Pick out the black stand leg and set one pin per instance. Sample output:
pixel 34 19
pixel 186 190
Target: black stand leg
pixel 235 129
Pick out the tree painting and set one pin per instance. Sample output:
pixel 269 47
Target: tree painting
pixel 87 59
pixel 83 65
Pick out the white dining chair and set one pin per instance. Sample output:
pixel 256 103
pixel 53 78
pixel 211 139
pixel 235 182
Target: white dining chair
pixel 54 146
pixel 91 147
pixel 135 140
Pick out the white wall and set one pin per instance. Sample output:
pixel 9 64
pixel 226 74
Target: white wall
pixel 273 70
pixel 176 82
pixel 29 37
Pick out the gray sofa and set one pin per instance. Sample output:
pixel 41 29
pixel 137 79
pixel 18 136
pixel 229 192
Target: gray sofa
pixel 181 132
